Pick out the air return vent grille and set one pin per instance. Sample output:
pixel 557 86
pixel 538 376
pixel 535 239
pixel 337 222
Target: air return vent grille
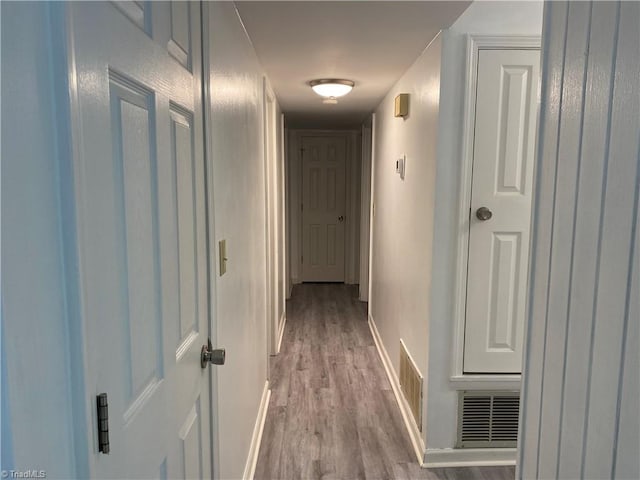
pixel 488 419
pixel 411 384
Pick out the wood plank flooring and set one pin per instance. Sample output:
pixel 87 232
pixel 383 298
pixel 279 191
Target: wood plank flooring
pixel 332 413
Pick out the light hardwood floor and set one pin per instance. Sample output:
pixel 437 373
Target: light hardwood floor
pixel 332 413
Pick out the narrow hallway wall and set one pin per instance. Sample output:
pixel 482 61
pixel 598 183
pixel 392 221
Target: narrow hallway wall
pixel 236 156
pixel 402 224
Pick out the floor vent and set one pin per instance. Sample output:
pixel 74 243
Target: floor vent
pixel 411 384
pixel 488 419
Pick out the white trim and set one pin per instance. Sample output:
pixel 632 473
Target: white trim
pixel 365 210
pixel 474 44
pixel 283 322
pixel 405 409
pixel 485 382
pixel 372 209
pixel 469 457
pixel 256 438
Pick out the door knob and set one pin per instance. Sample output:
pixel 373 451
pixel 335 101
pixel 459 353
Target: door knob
pixel 483 213
pixel 210 355
pixel 340 218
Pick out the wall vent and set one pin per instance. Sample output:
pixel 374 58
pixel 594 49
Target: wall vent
pixel 488 419
pixel 411 384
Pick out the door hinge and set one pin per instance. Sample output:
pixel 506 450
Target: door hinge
pixel 103 423
pixel 301 259
pixel 302 207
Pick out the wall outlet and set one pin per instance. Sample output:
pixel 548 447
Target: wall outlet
pixel 400 166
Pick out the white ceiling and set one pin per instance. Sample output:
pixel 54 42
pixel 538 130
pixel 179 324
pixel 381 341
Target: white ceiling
pixel 370 42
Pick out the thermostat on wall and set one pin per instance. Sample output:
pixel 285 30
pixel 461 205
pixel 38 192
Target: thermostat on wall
pixel 402 105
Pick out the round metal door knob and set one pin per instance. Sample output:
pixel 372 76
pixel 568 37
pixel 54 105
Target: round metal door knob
pixel 484 214
pixel 340 218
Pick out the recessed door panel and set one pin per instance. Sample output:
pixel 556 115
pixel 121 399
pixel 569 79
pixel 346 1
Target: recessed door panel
pixel 184 166
pixel 503 291
pixel 179 45
pixel 133 130
pixel 513 129
pixel 192 449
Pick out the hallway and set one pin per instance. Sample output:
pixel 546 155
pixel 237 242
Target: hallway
pixel 332 412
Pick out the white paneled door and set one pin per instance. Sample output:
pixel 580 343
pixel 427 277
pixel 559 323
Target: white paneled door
pixel 500 210
pixel 323 208
pixel 140 212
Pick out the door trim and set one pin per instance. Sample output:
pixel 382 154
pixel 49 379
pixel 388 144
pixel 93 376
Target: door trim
pixel 475 43
pixel 210 232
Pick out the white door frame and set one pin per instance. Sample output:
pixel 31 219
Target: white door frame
pixel 474 44
pixel 212 250
pixel 352 205
pixel 272 234
pixel 365 208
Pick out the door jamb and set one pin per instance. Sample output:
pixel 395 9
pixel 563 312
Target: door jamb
pixel 210 232
pixel 475 43
pixel 271 231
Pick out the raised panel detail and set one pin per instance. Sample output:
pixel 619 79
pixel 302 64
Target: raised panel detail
pixel 512 129
pixel 314 189
pixel 138 12
pixel 503 290
pixel 332 153
pixel 314 244
pixel 331 189
pixel 315 154
pixel 190 435
pixel 184 170
pixel 331 244
pixel 179 45
pixel 133 130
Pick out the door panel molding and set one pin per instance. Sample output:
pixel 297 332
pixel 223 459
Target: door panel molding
pixel 474 44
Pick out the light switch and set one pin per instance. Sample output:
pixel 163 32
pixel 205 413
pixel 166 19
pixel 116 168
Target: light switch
pixel 222 254
pixel 400 166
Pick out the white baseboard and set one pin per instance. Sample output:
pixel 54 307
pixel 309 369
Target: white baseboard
pixel 405 410
pixel 256 438
pixel 469 457
pixel 283 322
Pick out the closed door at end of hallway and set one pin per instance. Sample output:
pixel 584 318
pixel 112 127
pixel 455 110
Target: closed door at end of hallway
pixel 323 208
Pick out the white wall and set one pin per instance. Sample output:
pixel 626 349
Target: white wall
pixel 402 226
pixel 236 129
pixel 581 382
pixel 489 18
pixel 37 420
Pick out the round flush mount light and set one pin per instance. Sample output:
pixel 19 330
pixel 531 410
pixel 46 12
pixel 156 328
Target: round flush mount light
pixel 331 88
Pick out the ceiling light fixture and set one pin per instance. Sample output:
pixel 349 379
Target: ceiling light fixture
pixel 331 88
